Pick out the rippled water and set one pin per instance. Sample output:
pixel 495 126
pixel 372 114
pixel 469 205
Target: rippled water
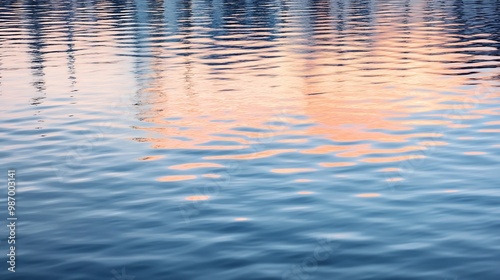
pixel 231 139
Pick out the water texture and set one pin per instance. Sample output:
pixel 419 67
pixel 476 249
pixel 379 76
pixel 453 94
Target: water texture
pixel 252 139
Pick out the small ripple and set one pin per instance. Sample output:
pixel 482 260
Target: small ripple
pixel 292 170
pixel 474 153
pixel 368 195
pixel 305 192
pixel 302 180
pixel 151 158
pixel 188 166
pixel 392 159
pixel 336 164
pixel 197 197
pixel 256 155
pixel 174 178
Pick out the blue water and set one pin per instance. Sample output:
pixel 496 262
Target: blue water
pixel 231 139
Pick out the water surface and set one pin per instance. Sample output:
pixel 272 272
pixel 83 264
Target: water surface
pixel 282 139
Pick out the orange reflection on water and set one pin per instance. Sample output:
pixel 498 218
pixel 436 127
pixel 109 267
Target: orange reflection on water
pixel 390 169
pixel 464 117
pixel 210 175
pixel 197 197
pixel 302 180
pixel 336 164
pixel 304 192
pixel 493 112
pixel 426 122
pixel 457 125
pixel 218 147
pixel 292 141
pixel 432 143
pixel 392 159
pixel 256 155
pixel 368 195
pixel 292 170
pixel 365 89
pixel 353 103
pixel 325 149
pixel 194 165
pixel 474 153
